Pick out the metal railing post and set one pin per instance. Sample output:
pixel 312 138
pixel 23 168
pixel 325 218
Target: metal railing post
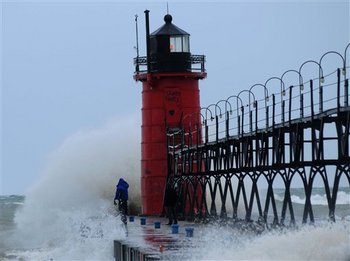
pixel 273 110
pixel 227 125
pixel 338 90
pixel 320 106
pixel 301 105
pixel 290 103
pixel 346 93
pixel 312 99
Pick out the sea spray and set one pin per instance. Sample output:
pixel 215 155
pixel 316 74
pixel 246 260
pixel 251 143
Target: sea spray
pixel 68 213
pixel 326 241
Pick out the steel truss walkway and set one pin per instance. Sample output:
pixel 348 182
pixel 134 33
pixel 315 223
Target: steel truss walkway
pixel 246 151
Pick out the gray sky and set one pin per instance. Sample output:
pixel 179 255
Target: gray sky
pixel 68 66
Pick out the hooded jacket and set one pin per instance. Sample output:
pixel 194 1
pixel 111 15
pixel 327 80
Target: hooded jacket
pixel 121 190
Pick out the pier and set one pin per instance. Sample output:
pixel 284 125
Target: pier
pixel 297 136
pixel 154 240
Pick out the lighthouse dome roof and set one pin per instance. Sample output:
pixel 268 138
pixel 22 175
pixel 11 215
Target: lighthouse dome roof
pixel 169 28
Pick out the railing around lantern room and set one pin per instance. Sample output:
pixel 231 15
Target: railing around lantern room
pixel 197 63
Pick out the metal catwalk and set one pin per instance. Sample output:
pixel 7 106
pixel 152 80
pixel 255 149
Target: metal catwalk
pixel 248 147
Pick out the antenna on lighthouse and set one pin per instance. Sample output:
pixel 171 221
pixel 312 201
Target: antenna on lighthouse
pixel 137 36
pixel 137 43
pixel 167 7
pixel 148 44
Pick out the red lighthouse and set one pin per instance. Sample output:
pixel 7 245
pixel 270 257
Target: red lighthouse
pixel 169 92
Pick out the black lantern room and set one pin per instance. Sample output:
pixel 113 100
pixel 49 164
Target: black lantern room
pixel 169 48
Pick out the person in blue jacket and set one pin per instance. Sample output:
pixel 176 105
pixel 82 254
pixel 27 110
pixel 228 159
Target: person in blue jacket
pixel 121 194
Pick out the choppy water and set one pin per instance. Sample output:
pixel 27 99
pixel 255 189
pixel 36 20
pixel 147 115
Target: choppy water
pixel 57 234
pixel 318 201
pixel 87 233
pixel 8 207
pixel 68 214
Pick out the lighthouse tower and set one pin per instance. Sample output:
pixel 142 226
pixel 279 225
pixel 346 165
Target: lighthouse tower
pixel 169 76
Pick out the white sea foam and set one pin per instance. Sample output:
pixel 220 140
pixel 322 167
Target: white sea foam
pixel 68 214
pixel 343 198
pixel 323 242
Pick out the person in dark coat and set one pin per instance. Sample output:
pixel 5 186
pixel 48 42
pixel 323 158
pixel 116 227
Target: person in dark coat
pixel 121 194
pixel 170 204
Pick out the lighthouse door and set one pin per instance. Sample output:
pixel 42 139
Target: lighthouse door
pixel 173 107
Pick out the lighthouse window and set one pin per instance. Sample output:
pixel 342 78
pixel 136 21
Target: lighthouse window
pixel 176 44
pixel 185 44
pixel 179 43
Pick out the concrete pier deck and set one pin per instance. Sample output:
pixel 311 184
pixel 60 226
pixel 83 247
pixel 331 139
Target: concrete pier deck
pixel 146 242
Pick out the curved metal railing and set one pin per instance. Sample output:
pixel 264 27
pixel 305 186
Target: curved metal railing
pixel 248 113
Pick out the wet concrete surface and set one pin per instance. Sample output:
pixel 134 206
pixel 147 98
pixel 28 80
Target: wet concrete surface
pixel 146 242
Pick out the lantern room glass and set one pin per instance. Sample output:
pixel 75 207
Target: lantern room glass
pixel 179 44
